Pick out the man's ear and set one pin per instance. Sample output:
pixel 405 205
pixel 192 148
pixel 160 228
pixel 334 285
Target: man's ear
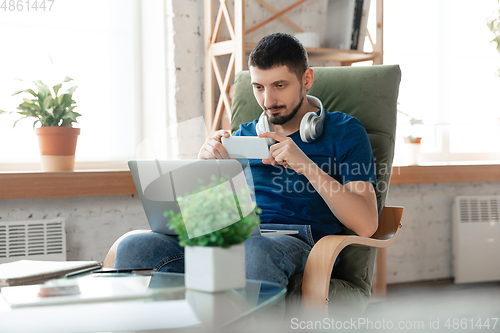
pixel 308 78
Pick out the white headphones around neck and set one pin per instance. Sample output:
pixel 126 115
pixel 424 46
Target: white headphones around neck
pixel 311 125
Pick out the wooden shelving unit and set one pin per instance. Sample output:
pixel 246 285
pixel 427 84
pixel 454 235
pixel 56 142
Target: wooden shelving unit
pixel 218 107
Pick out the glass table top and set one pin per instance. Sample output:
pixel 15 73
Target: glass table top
pixel 121 302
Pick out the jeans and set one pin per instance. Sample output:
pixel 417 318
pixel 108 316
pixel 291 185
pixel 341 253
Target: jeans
pixel 268 258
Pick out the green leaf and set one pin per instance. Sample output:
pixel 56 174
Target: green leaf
pixel 28 107
pixel 47 103
pixel 56 88
pixel 15 123
pixel 66 101
pixel 47 119
pixel 70 115
pixel 71 90
pixel 58 112
pixel 42 87
pixel 26 90
pixel 67 123
pixel 49 109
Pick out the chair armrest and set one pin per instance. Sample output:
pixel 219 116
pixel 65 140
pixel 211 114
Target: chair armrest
pixel 109 261
pixel 319 266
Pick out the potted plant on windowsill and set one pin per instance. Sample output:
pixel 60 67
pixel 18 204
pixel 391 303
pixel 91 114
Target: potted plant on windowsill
pixel 215 256
pixel 55 113
pixel 412 142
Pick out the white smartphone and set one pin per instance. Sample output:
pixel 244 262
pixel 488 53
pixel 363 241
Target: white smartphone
pixel 246 146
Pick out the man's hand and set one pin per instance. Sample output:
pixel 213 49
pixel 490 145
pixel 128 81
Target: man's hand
pixel 286 153
pixel 213 148
pixel 354 204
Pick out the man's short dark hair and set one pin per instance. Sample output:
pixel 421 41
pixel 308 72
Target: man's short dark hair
pixel 280 49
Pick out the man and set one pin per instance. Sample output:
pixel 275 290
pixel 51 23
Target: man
pixel 309 187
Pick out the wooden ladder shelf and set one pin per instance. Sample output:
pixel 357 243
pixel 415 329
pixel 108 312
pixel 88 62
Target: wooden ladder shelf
pixel 218 105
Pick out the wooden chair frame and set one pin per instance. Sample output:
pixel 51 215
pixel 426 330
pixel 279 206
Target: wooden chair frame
pixel 319 266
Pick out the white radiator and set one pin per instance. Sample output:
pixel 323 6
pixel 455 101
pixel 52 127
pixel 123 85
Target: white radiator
pixel 476 238
pixel 33 240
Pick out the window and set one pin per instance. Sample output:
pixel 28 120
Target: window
pixel 448 76
pixel 91 41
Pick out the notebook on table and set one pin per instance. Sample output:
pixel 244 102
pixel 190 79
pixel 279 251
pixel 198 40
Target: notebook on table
pixel 25 272
pixel 90 288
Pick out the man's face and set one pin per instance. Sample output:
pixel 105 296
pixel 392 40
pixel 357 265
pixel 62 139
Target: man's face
pixel 278 92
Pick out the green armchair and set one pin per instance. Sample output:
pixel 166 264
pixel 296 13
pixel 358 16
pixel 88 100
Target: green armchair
pixel 369 94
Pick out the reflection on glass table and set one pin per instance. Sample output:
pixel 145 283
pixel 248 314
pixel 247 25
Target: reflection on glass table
pixel 118 302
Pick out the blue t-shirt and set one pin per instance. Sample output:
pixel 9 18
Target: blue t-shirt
pixel 286 197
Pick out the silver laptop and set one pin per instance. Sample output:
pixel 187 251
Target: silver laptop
pixel 160 182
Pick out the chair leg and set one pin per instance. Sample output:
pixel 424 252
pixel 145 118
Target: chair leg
pixel 379 288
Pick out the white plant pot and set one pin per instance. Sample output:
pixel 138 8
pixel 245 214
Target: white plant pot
pixel 213 269
pixel 214 309
pixel 412 153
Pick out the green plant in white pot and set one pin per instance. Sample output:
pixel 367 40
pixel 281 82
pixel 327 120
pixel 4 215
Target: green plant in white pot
pixel 413 121
pixel 412 142
pixel 215 256
pixel 55 113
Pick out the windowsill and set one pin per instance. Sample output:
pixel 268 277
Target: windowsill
pixel 445 173
pixel 118 181
pixel 80 166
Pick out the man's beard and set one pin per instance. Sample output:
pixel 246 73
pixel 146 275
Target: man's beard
pixel 280 119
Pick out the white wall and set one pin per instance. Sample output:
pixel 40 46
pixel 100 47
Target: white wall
pixel 423 249
pixel 92 223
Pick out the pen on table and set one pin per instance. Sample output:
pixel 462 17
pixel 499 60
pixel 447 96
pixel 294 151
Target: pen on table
pixel 133 270
pixel 82 271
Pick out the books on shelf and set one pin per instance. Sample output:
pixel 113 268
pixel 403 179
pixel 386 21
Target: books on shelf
pixel 363 29
pixel 24 272
pixel 346 26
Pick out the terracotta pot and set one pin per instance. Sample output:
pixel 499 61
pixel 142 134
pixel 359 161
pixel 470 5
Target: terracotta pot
pixel 417 140
pixel 57 147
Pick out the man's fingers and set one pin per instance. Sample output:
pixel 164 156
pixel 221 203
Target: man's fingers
pixel 218 149
pixel 272 135
pixel 280 157
pixel 205 154
pixel 270 158
pixel 220 134
pixel 275 151
pixel 213 148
